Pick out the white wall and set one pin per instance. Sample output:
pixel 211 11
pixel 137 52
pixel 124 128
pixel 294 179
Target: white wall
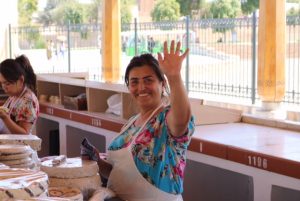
pixel 8 15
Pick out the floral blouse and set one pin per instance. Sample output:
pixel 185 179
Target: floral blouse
pixel 24 108
pixel 159 157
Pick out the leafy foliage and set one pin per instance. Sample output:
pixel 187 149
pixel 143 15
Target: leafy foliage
pixel 293 1
pixel 293 12
pixel 92 12
pixel 166 10
pixel 63 11
pixel 249 6
pixel 126 16
pixel 186 6
pixel 26 8
pixel 225 8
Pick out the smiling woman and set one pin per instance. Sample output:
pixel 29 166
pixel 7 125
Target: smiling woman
pixel 147 160
pixel 19 82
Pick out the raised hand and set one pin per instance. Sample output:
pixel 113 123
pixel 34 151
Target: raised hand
pixel 170 63
pixel 180 113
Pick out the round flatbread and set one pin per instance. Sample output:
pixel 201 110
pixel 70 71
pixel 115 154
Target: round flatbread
pixel 27 165
pixel 43 198
pixel 17 162
pixel 87 185
pixel 2 166
pixel 32 140
pixel 71 193
pixel 70 168
pixel 22 184
pixel 6 149
pixel 8 157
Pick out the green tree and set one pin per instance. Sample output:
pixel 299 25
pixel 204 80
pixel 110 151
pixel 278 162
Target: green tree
pixel 26 8
pixel 292 12
pixel 293 1
pixel 92 12
pixel 292 16
pixel 73 14
pixel 225 8
pixel 62 11
pixel 126 16
pixel 67 11
pixel 249 6
pixel 186 6
pixel 45 17
pixel 166 10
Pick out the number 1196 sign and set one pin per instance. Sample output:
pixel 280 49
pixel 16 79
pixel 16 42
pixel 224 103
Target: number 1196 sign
pixel 257 161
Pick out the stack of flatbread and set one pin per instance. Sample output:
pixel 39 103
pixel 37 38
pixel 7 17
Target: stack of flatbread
pixel 73 172
pixel 42 199
pixel 22 183
pixel 16 156
pixel 2 166
pixel 32 140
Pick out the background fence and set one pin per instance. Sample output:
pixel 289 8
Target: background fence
pixel 221 63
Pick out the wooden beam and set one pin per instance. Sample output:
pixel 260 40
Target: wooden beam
pixel 111 40
pixel 271 50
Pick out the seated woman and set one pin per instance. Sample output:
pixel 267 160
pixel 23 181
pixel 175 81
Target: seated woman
pixel 20 111
pixel 146 161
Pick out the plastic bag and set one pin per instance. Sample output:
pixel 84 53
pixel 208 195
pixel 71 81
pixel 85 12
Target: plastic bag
pixel 114 103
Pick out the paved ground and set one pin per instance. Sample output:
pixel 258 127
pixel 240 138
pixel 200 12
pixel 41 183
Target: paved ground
pixel 86 60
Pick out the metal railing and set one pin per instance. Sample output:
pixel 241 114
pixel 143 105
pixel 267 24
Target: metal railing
pixel 222 59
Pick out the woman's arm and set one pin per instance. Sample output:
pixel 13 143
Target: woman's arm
pixel 180 112
pixel 21 128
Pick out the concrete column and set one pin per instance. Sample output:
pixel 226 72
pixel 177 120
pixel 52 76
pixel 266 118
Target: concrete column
pixel 111 40
pixel 271 53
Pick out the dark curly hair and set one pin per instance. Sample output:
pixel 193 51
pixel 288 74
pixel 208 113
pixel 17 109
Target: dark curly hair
pixel 141 60
pixel 13 69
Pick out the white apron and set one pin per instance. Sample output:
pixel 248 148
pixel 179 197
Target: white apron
pixel 10 105
pixel 126 180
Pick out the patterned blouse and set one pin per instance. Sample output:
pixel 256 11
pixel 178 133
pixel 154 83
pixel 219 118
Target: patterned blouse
pixel 159 157
pixel 24 108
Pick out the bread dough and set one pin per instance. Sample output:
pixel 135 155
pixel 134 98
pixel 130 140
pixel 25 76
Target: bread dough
pixel 44 199
pixel 2 166
pixel 71 193
pixel 16 156
pixel 87 185
pixel 6 149
pixel 22 184
pixel 32 140
pixel 70 168
pixel 27 165
pixel 17 162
